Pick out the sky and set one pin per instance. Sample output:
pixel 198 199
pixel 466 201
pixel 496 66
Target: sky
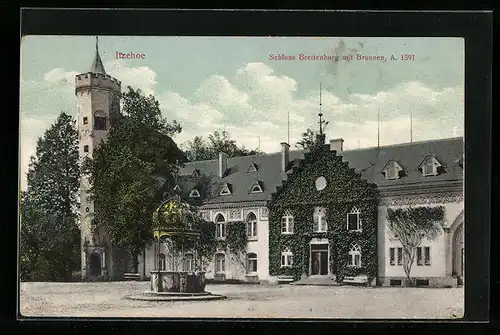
pixel 241 85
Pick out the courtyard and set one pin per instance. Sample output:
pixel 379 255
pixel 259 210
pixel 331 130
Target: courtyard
pixel 107 299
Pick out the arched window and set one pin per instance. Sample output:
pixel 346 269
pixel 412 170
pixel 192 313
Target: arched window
pixel 251 262
pixel 220 226
pixel 100 120
pixel 286 258
pixel 287 223
pixel 354 255
pixel 189 262
pixel 252 226
pixel 354 219
pixel 162 263
pixel 319 218
pixel 220 263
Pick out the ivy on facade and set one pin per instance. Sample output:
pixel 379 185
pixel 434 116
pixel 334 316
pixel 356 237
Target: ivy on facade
pixel 345 189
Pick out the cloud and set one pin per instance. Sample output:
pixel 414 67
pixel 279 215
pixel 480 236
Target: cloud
pixel 142 77
pixel 258 103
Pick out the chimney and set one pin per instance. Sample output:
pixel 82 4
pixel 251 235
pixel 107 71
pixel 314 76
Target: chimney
pixel 222 164
pixel 337 144
pixel 285 155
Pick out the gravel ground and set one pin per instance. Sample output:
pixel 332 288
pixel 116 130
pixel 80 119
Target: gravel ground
pixel 106 299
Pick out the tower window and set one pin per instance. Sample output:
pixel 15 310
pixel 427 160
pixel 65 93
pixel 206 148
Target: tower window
pixel 85 120
pixel 100 121
pixel 85 148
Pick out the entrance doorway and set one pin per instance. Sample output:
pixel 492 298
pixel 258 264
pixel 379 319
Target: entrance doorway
pixel 319 260
pixel 95 264
pixel 458 254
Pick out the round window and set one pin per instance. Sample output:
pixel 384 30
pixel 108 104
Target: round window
pixel 320 183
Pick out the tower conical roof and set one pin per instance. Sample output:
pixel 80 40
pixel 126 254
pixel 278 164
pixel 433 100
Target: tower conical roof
pixel 97 66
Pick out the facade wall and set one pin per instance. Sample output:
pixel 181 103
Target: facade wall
pixel 440 250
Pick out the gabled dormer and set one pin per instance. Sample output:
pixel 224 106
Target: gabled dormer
pixel 196 173
pixel 257 187
pixel 177 188
pixel 253 168
pixel 392 170
pixel 194 193
pixel 226 189
pixel 430 166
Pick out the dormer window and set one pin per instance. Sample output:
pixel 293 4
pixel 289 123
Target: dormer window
pixel 194 193
pixel 429 166
pixel 252 168
pixel 392 170
pixel 257 187
pixel 226 189
pixel 196 173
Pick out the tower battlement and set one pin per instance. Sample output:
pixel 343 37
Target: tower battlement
pixel 89 79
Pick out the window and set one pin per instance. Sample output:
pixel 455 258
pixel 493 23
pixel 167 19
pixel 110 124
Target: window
pixel 256 188
pixel 252 226
pixel 319 218
pixel 251 262
pixel 429 169
pixel 427 255
pixel 85 120
pixel 220 226
pixel 391 170
pixel 287 223
pixel 429 166
pixel 100 121
pixel 194 194
pixel 162 263
pixel 252 168
pixel 189 262
pixel 196 173
pixel 220 263
pixel 85 148
pixel 354 256
pixel 286 258
pixel 419 256
pixel 177 188
pixel 226 190
pixel 87 209
pixel 392 257
pixel 395 254
pixel 354 220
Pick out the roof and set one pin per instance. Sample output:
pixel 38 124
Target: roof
pixel 97 66
pixel 369 162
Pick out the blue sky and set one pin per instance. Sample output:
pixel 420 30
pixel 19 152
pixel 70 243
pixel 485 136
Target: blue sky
pixel 215 83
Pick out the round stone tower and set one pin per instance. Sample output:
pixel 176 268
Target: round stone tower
pixel 98 98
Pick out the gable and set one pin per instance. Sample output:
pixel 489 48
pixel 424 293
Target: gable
pixel 305 185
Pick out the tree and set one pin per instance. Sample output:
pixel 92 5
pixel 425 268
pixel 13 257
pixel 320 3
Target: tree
pixel 125 169
pixel 411 226
pixel 49 234
pixel 307 140
pixel 201 149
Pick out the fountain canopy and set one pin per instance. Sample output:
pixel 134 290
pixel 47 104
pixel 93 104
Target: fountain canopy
pixel 174 218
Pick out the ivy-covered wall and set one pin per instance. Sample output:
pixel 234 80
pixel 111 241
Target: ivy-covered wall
pixel 345 189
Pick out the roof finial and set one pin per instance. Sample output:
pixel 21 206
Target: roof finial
pixel 97 44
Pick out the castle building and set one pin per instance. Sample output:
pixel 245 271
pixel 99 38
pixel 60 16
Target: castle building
pixel 312 215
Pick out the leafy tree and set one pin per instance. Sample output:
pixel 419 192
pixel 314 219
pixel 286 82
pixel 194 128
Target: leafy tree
pixel 200 149
pixel 49 234
pixel 307 140
pixel 125 170
pixel 411 226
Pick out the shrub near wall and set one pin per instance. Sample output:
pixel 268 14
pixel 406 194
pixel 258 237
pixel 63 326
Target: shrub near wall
pixel 345 189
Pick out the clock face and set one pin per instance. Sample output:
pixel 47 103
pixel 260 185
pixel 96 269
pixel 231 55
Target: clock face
pixel 320 183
